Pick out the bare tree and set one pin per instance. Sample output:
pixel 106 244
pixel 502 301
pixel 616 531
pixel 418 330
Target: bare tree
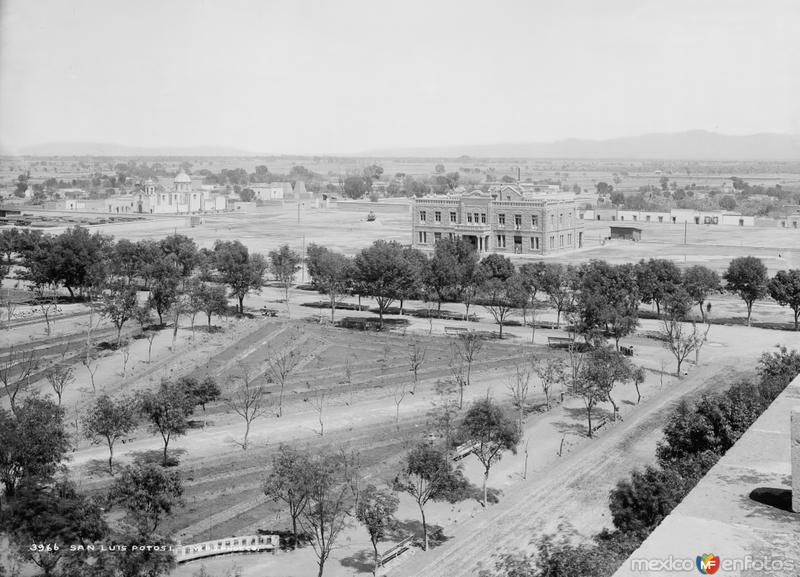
pixel 279 366
pixel 398 393
pixel 44 303
pixel 348 380
pixel 248 401
pixel 91 365
pixel 318 400
pixel 551 372
pixel 126 354
pixel 151 335
pixel 459 378
pixel 329 503
pixel 638 379
pixel 469 345
pixel 681 341
pixel 10 305
pixel 15 372
pixel 518 389
pixel 59 377
pixel 416 357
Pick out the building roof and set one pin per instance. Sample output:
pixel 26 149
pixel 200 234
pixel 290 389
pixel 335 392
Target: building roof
pixel 718 516
pixel 182 178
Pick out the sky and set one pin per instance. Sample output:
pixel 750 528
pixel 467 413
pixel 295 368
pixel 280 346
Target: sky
pixel 348 76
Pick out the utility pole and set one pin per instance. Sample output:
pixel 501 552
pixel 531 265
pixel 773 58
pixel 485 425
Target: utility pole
pixel 684 231
pixel 303 262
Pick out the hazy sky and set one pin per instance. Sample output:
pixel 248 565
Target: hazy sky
pixel 302 76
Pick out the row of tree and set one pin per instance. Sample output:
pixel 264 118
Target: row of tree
pixel 64 532
pixel 597 295
pixel 320 491
pixel 180 278
pixel 695 436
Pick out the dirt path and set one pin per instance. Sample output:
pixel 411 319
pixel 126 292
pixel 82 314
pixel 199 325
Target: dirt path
pixel 574 490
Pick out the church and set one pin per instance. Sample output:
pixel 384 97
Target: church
pixel 152 198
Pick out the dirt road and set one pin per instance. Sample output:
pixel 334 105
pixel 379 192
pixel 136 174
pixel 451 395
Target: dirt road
pixel 569 491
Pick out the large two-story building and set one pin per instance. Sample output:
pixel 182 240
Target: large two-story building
pixel 503 221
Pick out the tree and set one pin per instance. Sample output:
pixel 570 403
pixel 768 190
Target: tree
pixel 416 357
pixel 279 366
pixel 34 443
pixel 330 273
pixel 640 503
pixel 212 300
pixel 15 371
pixel 380 268
pixel 451 271
pixel 785 289
pixel 247 194
pixel 428 475
pixel 701 282
pixel 110 421
pixel 119 305
pixel 148 494
pixel 558 284
pixel 200 392
pixel 289 481
pixel 248 401
pixel 532 275
pixel 168 410
pixel 164 290
pixel 330 500
pixel 492 432
pixel 468 345
pixel 675 333
pixel 55 514
pixel 181 251
pixel 240 270
pixel 551 371
pixel 375 510
pixel 655 279
pixel 355 186
pixel 284 264
pixel 502 296
pixel 59 377
pixel 518 389
pixel 727 202
pixel 607 300
pixel 747 277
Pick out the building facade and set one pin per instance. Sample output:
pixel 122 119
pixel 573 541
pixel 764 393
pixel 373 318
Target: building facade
pixel 153 199
pixel 509 224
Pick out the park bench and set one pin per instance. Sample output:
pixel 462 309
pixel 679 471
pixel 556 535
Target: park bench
pixel 543 325
pixel 463 450
pixel 626 350
pixel 397 550
pixel 558 342
pixel 455 330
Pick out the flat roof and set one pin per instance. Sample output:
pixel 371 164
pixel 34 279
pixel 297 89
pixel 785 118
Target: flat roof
pixel 718 516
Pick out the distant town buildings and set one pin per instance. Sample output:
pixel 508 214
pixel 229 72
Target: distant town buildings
pixel 182 199
pixel 674 216
pixel 508 220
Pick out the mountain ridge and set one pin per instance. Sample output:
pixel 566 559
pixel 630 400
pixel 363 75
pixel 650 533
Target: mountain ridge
pixel 688 145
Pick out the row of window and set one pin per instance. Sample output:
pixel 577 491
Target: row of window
pixel 422 237
pixel 480 218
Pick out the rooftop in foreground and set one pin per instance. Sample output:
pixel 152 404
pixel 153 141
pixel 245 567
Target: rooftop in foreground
pixel 718 516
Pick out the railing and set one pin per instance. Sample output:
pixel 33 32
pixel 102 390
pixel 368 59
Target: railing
pixel 242 544
pixel 397 550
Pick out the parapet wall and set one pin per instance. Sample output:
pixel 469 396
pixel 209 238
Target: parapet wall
pixel 718 518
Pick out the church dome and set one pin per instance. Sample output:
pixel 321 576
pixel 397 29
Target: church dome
pixel 182 178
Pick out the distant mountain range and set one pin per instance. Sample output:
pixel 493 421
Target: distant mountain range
pixel 692 145
pixel 112 149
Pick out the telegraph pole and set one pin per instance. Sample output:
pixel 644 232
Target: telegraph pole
pixel 684 232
